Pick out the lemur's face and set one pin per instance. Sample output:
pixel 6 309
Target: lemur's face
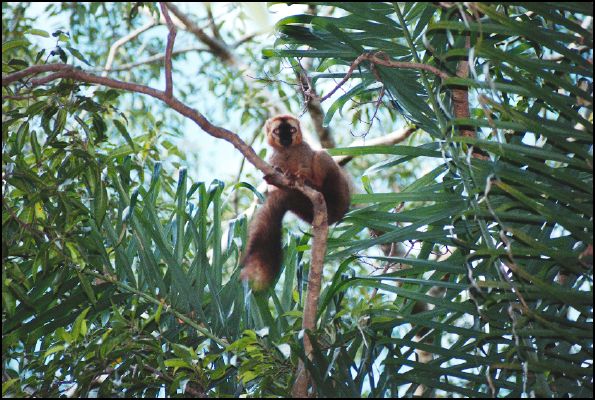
pixel 283 131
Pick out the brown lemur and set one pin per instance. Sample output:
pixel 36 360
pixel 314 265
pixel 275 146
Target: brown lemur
pixel 297 160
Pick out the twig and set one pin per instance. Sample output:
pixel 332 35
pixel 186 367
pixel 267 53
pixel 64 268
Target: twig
pixel 16 97
pixel 212 22
pixel 68 71
pixel 246 38
pixel 390 264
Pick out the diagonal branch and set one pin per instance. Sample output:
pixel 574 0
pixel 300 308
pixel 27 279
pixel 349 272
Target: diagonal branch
pixel 68 71
pixel 216 46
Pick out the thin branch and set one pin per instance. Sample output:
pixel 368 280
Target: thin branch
pixel 312 100
pixel 155 58
pixel 171 37
pixel 68 71
pixel 15 97
pixel 314 107
pixel 166 307
pixel 123 40
pixel 380 58
pixel 212 22
pixel 218 47
pixel 187 390
pixel 246 38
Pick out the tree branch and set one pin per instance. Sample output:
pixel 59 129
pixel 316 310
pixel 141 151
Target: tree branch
pixel 319 229
pixel 460 102
pixel 171 37
pixel 189 389
pixel 217 47
pixel 459 96
pixel 315 110
pixel 381 58
pixel 155 58
pixel 68 71
pixel 120 42
pixel 312 100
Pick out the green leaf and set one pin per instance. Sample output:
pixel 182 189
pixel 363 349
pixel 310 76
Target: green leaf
pixel 77 54
pixel 11 44
pixel 100 202
pixel 38 32
pixel 54 349
pixel 122 129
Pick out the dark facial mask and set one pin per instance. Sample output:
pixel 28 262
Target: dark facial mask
pixel 285 136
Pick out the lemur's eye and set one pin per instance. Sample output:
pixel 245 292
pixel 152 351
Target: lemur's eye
pixel 292 130
pixel 276 130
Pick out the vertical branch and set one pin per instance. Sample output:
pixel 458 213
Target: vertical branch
pixel 171 37
pixel 320 232
pixel 315 110
pixel 460 101
pixel 312 100
pixel 460 96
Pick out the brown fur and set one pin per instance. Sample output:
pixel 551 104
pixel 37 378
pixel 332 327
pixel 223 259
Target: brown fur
pixel 296 159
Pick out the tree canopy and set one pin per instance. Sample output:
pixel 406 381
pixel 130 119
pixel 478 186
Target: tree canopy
pixel 132 162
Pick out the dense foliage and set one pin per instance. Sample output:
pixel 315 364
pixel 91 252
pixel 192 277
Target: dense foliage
pixel 121 266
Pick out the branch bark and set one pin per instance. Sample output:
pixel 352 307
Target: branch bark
pixel 171 37
pixel 312 100
pixel 319 229
pixel 315 110
pixel 460 102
